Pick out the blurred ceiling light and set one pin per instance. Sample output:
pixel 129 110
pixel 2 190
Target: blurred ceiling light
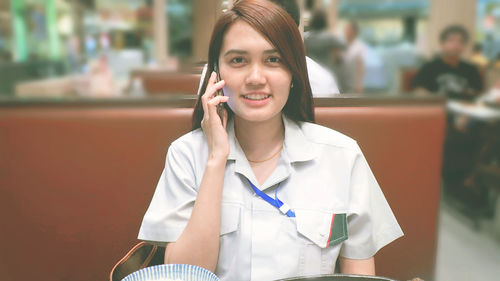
pixel 65 25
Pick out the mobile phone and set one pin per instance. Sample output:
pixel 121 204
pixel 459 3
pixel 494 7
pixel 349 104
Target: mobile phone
pixel 220 106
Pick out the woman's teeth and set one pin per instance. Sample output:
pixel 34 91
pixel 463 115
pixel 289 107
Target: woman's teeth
pixel 256 97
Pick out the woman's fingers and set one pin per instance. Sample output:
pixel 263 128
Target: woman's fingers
pixel 212 86
pixel 211 89
pixel 211 81
pixel 206 94
pixel 224 118
pixel 212 106
pixel 217 86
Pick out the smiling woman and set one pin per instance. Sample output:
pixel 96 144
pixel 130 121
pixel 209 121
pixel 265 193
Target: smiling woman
pixel 254 74
pixel 260 39
pixel 260 192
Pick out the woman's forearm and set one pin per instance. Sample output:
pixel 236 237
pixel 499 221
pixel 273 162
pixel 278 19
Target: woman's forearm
pixel 199 243
pixel 360 267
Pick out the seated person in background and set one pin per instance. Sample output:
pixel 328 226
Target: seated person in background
pixel 493 94
pixel 477 57
pixel 352 70
pixel 321 45
pixel 261 192
pixel 450 76
pixel 447 74
pixel 322 81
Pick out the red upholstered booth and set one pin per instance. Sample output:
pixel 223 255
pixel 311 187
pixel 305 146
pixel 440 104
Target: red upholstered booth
pixel 75 180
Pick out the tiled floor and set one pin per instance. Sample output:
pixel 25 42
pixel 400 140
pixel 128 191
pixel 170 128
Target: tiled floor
pixel 465 254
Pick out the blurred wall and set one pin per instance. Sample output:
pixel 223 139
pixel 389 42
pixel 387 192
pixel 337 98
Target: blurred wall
pixel 160 31
pixel 446 12
pixel 205 14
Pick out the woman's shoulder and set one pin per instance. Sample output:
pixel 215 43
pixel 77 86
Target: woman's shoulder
pixel 323 135
pixel 189 141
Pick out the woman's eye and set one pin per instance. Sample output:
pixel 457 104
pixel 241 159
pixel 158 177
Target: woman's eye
pixel 274 59
pixel 237 60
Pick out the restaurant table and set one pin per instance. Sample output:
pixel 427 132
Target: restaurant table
pixel 338 277
pixel 471 157
pixel 476 110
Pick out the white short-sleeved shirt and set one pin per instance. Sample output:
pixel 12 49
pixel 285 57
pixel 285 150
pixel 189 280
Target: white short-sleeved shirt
pixel 322 81
pixel 322 175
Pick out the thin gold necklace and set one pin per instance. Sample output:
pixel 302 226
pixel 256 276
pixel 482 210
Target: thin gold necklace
pixel 272 156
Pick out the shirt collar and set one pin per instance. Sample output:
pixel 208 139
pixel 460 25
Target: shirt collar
pixel 296 145
pixel 242 166
pixel 296 148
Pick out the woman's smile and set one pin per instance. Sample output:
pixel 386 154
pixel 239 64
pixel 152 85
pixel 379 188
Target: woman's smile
pixel 256 98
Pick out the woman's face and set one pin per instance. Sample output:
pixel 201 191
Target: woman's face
pixel 256 79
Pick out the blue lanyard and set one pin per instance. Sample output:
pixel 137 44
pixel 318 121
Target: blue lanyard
pixel 283 207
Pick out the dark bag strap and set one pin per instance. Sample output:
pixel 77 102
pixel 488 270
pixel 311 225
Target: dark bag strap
pixel 140 256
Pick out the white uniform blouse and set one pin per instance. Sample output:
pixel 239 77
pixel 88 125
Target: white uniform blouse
pixel 325 179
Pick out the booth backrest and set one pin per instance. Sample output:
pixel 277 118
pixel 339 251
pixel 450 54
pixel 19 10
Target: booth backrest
pixel 164 82
pixel 75 182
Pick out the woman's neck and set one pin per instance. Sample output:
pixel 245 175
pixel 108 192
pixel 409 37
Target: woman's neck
pixel 259 139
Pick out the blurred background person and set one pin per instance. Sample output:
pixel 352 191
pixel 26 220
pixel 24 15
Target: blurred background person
pixel 321 44
pixel 353 67
pixel 74 53
pixel 495 62
pixel 478 57
pixel 323 83
pixel 491 46
pixel 448 74
pixel 492 75
pixel 467 142
pixel 493 95
pixel 101 78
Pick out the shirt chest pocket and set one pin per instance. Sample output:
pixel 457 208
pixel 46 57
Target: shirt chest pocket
pixel 230 218
pixel 230 230
pixel 320 235
pixel 322 228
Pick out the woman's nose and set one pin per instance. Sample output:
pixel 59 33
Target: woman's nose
pixel 256 75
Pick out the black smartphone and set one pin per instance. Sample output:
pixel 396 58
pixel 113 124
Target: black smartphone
pixel 220 106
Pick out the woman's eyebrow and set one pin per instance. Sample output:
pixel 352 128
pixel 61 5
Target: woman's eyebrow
pixel 235 51
pixel 270 51
pixel 243 52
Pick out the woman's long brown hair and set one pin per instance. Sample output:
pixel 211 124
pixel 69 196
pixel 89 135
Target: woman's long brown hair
pixel 277 26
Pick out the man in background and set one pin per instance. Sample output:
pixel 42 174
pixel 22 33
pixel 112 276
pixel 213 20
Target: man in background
pixel 478 58
pixel 321 45
pixel 447 74
pixel 353 72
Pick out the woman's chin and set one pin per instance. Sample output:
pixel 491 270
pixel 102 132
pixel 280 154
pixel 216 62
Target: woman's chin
pixel 256 115
pixel 252 113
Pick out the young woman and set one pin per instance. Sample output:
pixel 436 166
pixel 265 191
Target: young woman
pixel 264 193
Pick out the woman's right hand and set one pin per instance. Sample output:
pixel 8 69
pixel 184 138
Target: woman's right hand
pixel 213 127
